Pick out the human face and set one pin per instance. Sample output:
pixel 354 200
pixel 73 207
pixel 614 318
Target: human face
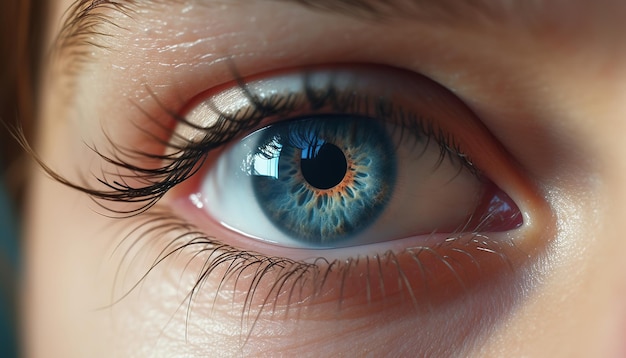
pixel 525 98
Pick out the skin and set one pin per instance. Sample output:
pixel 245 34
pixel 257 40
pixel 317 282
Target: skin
pixel 547 82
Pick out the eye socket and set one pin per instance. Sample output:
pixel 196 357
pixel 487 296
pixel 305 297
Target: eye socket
pixel 401 147
pixel 500 225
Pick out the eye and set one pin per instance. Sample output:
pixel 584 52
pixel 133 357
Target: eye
pixel 349 156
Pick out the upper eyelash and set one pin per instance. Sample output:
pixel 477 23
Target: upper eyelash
pixel 189 156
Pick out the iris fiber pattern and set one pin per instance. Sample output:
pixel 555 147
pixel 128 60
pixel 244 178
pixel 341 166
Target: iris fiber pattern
pixel 354 152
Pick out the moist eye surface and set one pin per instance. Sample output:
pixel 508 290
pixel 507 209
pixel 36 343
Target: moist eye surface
pixel 341 157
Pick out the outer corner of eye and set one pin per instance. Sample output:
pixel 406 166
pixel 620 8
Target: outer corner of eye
pixel 537 220
pixel 515 202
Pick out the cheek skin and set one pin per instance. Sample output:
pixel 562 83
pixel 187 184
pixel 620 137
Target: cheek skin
pixel 582 300
pixel 58 293
pixel 574 145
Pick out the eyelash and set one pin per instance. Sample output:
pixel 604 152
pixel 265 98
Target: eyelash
pixel 302 282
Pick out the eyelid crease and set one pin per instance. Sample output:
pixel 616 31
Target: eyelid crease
pixel 87 24
pixel 85 17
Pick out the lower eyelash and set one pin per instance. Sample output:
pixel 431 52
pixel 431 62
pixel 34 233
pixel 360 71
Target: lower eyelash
pixel 262 286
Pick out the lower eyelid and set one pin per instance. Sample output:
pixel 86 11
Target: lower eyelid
pixel 420 277
pixel 439 281
pixel 419 274
pixel 288 303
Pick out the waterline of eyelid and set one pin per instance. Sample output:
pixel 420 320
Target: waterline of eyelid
pixel 476 226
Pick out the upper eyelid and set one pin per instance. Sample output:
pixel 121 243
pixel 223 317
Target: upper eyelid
pixel 150 184
pixel 194 84
pixel 493 165
pixel 132 181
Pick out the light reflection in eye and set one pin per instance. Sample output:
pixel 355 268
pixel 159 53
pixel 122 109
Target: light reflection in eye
pixel 264 187
pixel 264 164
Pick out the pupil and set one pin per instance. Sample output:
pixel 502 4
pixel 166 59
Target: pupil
pixel 323 166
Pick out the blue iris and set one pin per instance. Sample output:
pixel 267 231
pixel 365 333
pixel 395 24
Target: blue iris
pixel 324 179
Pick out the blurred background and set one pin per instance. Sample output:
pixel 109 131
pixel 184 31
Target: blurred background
pixel 21 24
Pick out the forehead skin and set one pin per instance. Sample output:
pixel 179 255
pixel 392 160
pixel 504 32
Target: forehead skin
pixel 547 78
